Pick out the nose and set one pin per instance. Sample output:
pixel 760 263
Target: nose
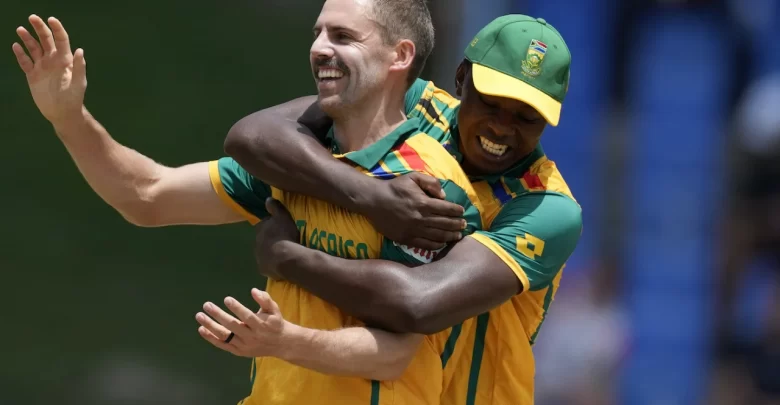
pixel 321 48
pixel 504 123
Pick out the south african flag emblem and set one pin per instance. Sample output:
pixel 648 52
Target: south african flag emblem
pixel 532 65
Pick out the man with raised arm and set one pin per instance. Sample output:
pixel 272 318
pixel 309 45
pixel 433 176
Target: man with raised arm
pixel 512 82
pixel 364 58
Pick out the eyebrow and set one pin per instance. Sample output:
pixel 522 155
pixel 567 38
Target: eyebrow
pixel 338 28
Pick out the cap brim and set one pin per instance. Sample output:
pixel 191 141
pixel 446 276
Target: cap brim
pixel 494 83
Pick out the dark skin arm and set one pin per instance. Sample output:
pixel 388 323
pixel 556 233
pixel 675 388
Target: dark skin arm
pixel 282 146
pixel 469 280
pixel 304 126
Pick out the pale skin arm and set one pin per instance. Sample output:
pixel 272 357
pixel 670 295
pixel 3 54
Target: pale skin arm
pixel 355 352
pixel 143 191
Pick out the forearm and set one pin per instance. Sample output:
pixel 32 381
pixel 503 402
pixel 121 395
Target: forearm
pixel 145 192
pixel 468 281
pixel 381 293
pixel 283 152
pixel 355 352
pixel 119 175
pixel 301 165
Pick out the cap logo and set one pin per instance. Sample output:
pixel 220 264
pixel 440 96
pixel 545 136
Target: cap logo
pixel 532 65
pixel 474 42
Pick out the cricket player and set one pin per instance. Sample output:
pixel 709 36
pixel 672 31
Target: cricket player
pixel 512 81
pixel 363 67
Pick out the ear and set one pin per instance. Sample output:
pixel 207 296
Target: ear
pixel 403 56
pixel 460 78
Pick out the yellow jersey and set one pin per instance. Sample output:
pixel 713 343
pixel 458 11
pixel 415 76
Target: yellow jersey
pixel 532 222
pixel 341 233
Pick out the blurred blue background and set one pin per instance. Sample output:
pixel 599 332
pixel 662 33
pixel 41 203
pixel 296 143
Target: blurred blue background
pixel 669 139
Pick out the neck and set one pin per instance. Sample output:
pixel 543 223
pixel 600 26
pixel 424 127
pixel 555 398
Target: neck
pixel 369 121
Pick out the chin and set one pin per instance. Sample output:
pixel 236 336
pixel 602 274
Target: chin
pixel 491 168
pixel 331 105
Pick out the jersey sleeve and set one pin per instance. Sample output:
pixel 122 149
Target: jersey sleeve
pixel 414 256
pixel 413 96
pixel 437 110
pixel 239 190
pixel 534 234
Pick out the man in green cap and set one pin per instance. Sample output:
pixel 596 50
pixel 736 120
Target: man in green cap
pixel 495 285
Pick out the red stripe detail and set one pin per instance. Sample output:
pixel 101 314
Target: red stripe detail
pixel 412 158
pixel 533 181
pixel 541 43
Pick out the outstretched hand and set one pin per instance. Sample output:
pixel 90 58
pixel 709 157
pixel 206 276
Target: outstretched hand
pixel 248 333
pixel 56 76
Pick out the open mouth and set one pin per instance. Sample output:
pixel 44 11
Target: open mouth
pixel 327 74
pixel 493 148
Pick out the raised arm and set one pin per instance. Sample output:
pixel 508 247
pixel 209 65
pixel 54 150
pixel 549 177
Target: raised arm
pixel 526 246
pixel 145 192
pixel 281 146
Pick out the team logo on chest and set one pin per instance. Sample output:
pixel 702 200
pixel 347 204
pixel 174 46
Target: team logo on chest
pixel 424 256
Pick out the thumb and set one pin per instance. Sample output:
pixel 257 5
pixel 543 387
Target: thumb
pixel 429 184
pixel 276 208
pixel 267 305
pixel 79 66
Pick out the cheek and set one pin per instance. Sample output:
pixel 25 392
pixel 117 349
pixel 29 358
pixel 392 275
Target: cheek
pixel 372 67
pixel 467 127
pixel 471 123
pixel 533 131
pixel 377 60
pixel 347 56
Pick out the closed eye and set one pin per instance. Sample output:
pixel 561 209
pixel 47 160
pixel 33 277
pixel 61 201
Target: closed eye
pixel 528 120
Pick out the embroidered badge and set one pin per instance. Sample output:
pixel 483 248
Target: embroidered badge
pixel 532 65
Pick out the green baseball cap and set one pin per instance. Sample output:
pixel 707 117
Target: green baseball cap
pixel 522 58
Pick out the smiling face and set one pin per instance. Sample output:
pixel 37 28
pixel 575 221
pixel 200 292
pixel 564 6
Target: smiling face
pixel 495 132
pixel 349 59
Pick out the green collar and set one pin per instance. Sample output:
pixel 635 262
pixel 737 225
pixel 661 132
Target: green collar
pixel 518 169
pixel 368 157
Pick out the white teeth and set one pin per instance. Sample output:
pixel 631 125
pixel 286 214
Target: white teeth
pixel 330 74
pixel 493 148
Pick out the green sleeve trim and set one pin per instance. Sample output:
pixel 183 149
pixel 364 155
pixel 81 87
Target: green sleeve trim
pixel 540 232
pixel 246 190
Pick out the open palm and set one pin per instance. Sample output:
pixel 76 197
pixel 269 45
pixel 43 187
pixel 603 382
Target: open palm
pixel 57 78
